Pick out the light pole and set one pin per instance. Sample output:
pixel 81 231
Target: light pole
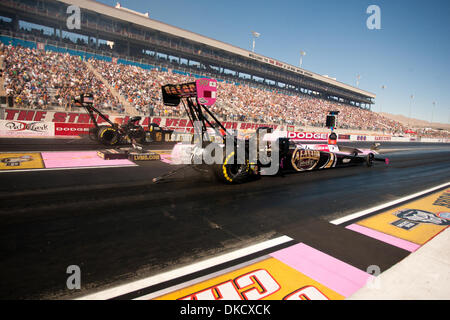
pixel 302 54
pixel 382 88
pixel 255 35
pixel 358 77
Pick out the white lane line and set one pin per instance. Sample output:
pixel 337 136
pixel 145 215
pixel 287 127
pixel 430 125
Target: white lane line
pixel 201 279
pixel 385 205
pixel 70 168
pixel 195 267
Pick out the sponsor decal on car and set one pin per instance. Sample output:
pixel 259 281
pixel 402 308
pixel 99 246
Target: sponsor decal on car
pixel 303 160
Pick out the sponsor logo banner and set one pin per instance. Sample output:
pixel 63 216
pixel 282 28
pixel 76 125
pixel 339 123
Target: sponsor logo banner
pixel 269 279
pixel 361 138
pixel 15 128
pixel 382 138
pixel 18 161
pixel 416 222
pixel 72 129
pixel 81 117
pixel 422 216
pixel 343 137
pixel 308 136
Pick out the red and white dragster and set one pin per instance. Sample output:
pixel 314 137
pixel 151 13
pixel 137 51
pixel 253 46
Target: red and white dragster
pixel 235 160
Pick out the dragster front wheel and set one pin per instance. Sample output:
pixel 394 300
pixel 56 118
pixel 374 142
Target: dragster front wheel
pixel 231 172
pixel 369 159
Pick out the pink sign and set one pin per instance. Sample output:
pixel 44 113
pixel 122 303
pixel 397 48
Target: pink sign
pixel 206 91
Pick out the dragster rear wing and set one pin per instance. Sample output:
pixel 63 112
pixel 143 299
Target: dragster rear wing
pixel 204 90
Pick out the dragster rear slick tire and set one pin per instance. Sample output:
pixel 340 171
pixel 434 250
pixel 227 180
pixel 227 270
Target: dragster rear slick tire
pixel 108 136
pixel 232 173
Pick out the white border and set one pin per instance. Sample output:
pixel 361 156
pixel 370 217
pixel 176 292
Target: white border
pixel 385 205
pixel 195 267
pixel 200 279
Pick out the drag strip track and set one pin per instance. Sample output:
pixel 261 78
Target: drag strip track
pixel 118 226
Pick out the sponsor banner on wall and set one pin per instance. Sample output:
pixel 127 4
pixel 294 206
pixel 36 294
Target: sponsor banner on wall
pixel 343 137
pixel 81 117
pixel 362 138
pixel 72 129
pixel 14 128
pixel 308 136
pixel 382 138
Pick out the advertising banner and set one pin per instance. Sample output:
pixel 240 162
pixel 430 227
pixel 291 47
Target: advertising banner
pixel 81 117
pixel 26 128
pixel 308 136
pixel 72 129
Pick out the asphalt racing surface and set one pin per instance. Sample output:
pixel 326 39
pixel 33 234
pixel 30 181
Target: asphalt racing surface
pixel 118 226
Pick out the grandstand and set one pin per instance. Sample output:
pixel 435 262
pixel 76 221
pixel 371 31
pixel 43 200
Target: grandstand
pixel 141 38
pixel 46 69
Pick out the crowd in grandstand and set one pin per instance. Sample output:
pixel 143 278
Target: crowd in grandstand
pixel 38 79
pixel 141 88
pixel 237 102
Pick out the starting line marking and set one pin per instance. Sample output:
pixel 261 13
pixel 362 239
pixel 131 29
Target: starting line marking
pixel 363 213
pixel 195 267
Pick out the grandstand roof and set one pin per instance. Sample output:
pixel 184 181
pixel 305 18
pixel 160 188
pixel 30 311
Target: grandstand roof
pixel 141 20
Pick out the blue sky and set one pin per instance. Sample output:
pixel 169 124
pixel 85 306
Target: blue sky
pixel 409 54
